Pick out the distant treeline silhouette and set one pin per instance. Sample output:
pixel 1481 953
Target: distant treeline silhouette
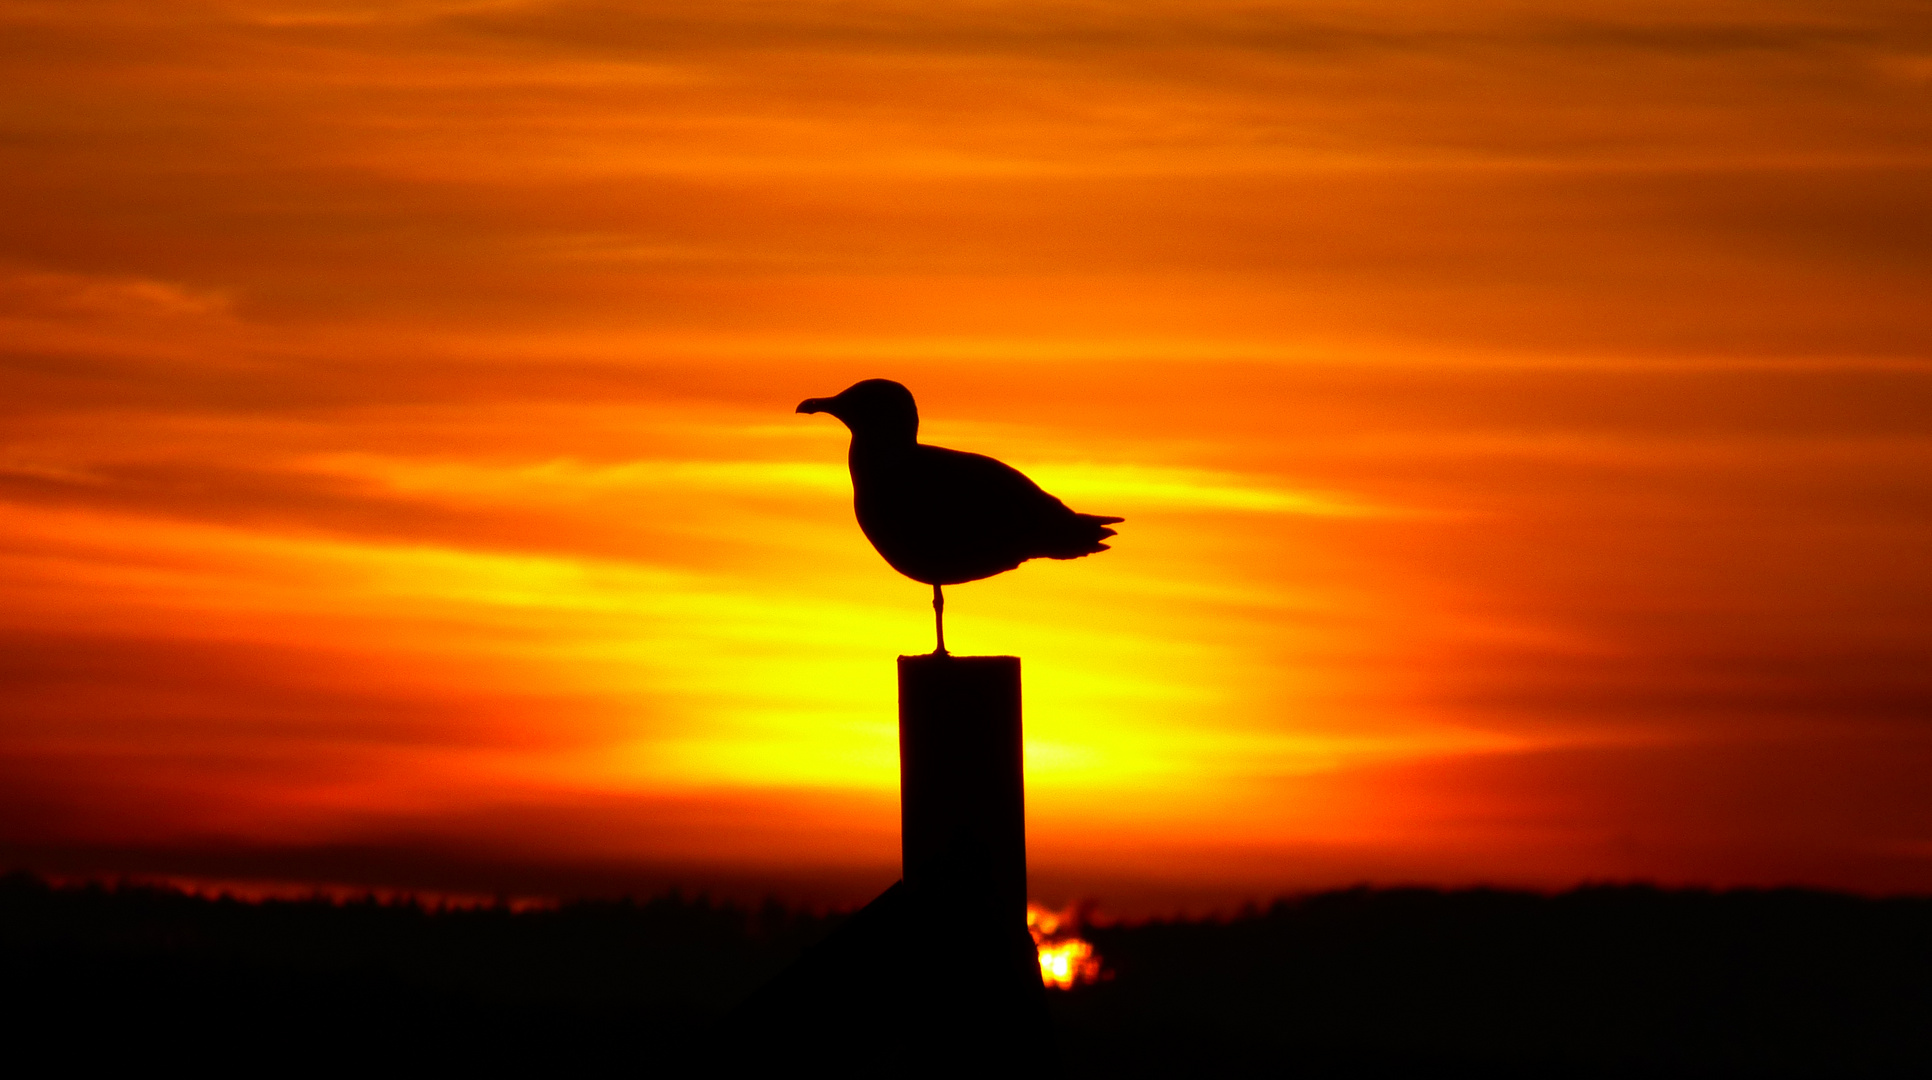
pixel 1611 981
pixel 1600 981
pixel 149 973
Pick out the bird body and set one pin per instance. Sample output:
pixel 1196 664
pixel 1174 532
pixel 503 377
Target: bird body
pixel 945 516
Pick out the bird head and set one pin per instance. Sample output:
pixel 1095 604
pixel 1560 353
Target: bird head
pixel 875 407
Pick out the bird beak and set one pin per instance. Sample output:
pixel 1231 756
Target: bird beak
pixel 813 405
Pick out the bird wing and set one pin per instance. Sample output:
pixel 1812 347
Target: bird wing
pixel 946 516
pixel 993 516
pixel 980 491
pixel 994 489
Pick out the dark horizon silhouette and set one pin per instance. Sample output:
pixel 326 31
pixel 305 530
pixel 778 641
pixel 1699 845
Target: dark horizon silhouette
pixel 945 517
pixel 1597 981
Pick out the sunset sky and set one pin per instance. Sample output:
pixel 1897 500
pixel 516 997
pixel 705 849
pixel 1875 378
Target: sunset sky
pixel 1522 414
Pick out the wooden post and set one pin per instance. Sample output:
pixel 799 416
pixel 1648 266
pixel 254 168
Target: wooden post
pixel 962 787
pixel 962 821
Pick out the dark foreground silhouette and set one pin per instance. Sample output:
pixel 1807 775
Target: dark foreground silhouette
pixel 1623 981
pixel 916 981
pixel 942 516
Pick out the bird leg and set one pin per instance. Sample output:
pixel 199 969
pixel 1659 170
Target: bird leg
pixel 939 619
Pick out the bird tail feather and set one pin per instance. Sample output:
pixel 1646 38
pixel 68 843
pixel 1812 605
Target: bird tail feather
pixel 1085 536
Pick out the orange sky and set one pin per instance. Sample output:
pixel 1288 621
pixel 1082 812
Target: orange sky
pixel 1520 415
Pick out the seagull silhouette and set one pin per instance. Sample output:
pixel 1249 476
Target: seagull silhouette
pixel 945 516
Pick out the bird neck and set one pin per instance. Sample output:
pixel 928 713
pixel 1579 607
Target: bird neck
pixel 878 444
